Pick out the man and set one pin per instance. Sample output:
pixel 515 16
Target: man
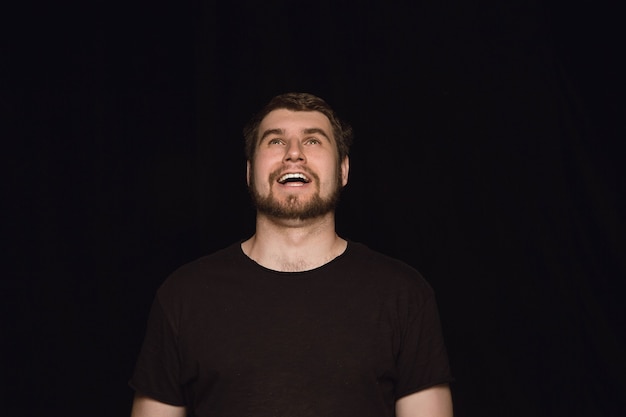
pixel 294 321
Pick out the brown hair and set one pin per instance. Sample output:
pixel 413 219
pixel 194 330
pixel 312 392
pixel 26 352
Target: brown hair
pixel 342 131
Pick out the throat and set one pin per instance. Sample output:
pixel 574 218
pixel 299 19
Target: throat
pixel 270 253
pixel 295 266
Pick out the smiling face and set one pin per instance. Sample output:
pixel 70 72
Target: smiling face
pixel 295 172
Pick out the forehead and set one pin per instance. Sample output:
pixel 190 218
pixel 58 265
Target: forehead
pixel 289 120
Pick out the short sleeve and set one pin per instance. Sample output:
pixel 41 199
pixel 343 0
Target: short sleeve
pixel 422 360
pixel 157 369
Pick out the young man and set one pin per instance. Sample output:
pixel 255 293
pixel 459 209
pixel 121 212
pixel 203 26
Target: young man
pixel 294 321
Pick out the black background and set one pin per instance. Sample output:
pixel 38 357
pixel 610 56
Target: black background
pixel 488 155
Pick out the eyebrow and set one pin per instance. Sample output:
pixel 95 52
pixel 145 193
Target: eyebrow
pixel 271 132
pixel 318 131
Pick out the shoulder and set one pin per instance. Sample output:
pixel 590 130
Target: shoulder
pixel 393 272
pixel 197 274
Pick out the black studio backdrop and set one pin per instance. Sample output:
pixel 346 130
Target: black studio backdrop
pixel 487 155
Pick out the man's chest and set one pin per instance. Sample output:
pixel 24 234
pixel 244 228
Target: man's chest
pixel 289 337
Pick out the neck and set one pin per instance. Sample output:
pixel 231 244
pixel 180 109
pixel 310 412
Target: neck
pixel 293 246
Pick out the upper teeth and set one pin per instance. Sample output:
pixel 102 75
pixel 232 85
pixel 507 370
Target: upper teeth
pixel 292 176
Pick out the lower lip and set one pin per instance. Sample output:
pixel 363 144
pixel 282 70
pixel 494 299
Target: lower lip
pixel 294 184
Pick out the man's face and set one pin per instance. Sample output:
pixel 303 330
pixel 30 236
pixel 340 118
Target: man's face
pixel 295 173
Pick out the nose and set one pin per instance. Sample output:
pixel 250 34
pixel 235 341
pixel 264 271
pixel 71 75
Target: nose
pixel 294 151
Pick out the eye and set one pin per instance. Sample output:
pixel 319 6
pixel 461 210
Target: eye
pixel 313 141
pixel 274 141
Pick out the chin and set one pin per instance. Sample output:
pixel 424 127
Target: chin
pixel 293 209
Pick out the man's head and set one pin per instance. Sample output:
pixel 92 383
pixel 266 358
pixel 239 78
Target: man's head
pixel 342 131
pixel 297 150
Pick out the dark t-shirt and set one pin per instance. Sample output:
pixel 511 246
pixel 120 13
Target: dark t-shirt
pixel 228 337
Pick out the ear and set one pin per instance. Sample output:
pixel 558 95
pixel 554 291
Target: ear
pixel 248 172
pixel 345 167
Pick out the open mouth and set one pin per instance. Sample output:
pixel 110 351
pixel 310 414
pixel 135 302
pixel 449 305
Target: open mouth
pixel 297 177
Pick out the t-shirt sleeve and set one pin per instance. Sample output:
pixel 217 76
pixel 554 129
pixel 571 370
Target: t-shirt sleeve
pixel 157 369
pixel 422 361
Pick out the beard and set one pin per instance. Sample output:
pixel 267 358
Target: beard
pixel 293 208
